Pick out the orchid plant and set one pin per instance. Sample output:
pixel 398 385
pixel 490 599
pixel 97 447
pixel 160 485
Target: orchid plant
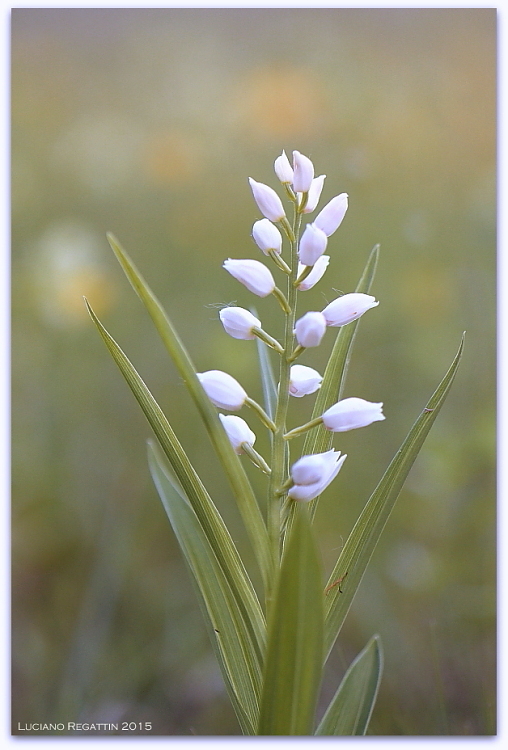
pixel 272 645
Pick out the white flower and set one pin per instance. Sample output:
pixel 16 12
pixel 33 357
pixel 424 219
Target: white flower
pixel 252 274
pixel 303 380
pixel 312 474
pixel 310 329
pixel 315 275
pixel 238 431
pixel 312 245
pixel 330 217
pixel 303 173
pixel 349 307
pixel 222 389
pixel 239 322
pixel 267 200
pixel 351 413
pixel 267 236
pixel 314 193
pixel 283 168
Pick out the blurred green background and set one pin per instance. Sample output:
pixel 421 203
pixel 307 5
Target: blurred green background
pixel 147 123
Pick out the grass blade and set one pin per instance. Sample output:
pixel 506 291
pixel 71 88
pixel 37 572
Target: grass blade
pixel 206 512
pixel 362 541
pixel 295 641
pixel 230 636
pixel 244 494
pixel 351 707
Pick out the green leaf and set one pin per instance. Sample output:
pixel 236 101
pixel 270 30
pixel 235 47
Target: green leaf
pixel 360 545
pixel 229 632
pixel 267 377
pixel 295 638
pixel 244 494
pixel 208 515
pixel 318 439
pixel 351 707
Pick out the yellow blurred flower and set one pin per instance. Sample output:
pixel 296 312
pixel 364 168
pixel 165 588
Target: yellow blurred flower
pixel 281 101
pixel 171 157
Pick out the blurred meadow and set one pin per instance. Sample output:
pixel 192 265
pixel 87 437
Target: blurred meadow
pixel 147 123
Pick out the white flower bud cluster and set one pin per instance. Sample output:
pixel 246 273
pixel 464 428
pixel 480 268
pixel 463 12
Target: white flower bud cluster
pixel 311 474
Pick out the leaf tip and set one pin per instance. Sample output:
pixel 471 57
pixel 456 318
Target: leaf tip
pixel 113 242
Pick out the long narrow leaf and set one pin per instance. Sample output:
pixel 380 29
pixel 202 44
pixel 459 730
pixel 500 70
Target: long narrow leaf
pixel 295 641
pixel 267 378
pixel 246 500
pixel 360 545
pixel 319 440
pixel 351 707
pixel 208 515
pixel 227 627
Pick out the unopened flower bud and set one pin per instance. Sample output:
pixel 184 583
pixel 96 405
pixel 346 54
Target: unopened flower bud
pixel 312 474
pixel 252 274
pixel 330 217
pixel 309 469
pixel 310 329
pixel 303 380
pixel 267 236
pixel 312 245
pixel 303 173
pixel 239 322
pixel 283 169
pixel 314 193
pixel 349 307
pixel 222 389
pixel 315 275
pixel 267 200
pixel 351 413
pixel 238 431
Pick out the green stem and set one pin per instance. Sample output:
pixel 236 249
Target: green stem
pixel 288 229
pixel 306 272
pixel 296 352
pixel 260 412
pixel 256 459
pixel 303 428
pixel 279 262
pixel 283 302
pixel 303 202
pixel 269 340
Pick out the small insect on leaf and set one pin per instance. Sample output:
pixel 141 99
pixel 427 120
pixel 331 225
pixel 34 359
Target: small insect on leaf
pixel 336 583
